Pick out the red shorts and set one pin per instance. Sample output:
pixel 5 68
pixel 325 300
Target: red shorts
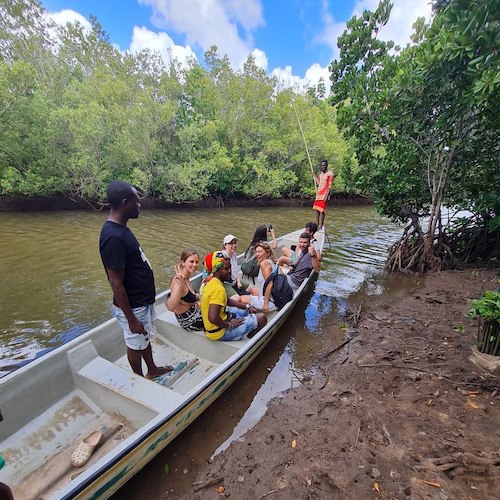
pixel 319 205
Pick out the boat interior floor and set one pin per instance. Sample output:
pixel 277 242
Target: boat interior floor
pixel 41 450
pixel 107 396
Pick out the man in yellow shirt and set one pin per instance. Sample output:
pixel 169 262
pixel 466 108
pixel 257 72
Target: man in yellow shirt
pixel 223 318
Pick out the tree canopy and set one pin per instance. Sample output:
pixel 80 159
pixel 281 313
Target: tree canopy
pixel 76 113
pixel 424 123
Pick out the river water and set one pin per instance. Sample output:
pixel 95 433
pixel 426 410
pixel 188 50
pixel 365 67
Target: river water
pixel 54 288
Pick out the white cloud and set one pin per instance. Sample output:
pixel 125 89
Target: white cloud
pixel 247 12
pixel 399 28
pixel 286 79
pixel 403 14
pixel 142 38
pixel 211 22
pixel 314 73
pixel 66 16
pixel 331 29
pixel 260 58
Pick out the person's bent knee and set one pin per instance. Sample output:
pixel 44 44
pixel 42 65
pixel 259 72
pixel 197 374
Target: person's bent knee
pixel 286 252
pixel 261 319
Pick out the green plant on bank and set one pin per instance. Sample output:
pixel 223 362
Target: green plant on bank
pixel 487 309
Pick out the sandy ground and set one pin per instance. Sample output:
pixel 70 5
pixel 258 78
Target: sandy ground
pixel 399 412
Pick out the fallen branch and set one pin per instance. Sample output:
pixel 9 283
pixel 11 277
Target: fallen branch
pixel 269 493
pixel 335 349
pixel 355 445
pixel 326 378
pixel 471 462
pixel 210 482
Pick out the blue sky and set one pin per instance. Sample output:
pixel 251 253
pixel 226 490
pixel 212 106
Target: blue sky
pixel 294 40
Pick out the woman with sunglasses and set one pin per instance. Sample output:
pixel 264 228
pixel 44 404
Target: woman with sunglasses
pixel 249 265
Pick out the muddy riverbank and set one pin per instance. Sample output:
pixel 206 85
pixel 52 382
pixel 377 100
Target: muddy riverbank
pixel 400 411
pixel 60 202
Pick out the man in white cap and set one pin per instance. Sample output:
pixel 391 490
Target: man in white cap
pixel 235 287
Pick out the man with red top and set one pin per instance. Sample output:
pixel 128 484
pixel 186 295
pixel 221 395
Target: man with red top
pixel 324 183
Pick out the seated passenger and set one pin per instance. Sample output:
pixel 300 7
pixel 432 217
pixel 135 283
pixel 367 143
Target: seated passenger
pixel 236 288
pixel 307 260
pixel 265 257
pixel 182 299
pixel 289 255
pixel 311 228
pixel 223 318
pixel 249 265
pixel 261 234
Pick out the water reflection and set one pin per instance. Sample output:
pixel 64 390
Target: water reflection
pixel 282 377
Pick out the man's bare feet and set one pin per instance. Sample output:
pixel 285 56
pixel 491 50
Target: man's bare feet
pixel 160 370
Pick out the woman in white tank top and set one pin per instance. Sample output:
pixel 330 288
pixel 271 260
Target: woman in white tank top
pixel 265 257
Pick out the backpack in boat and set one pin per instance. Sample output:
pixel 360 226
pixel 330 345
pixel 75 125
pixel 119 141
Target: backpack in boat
pixel 250 265
pixel 282 292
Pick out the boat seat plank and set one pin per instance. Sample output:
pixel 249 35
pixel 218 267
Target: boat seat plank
pixel 195 343
pixel 188 370
pixel 117 389
pixel 75 417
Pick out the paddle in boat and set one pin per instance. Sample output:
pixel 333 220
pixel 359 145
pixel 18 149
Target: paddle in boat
pixel 82 400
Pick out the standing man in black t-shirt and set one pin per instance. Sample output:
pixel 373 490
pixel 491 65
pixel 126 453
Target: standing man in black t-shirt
pixel 131 278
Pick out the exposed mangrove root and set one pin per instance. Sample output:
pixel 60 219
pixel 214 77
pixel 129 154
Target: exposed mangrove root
pixel 413 254
pixel 354 316
pixel 443 246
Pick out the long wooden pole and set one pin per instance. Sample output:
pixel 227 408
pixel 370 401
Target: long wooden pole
pixel 307 149
pixel 310 162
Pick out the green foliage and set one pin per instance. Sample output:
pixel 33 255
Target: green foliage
pixel 75 113
pixel 424 121
pixel 487 307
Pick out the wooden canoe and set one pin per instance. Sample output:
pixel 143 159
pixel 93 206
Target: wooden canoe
pixel 54 402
